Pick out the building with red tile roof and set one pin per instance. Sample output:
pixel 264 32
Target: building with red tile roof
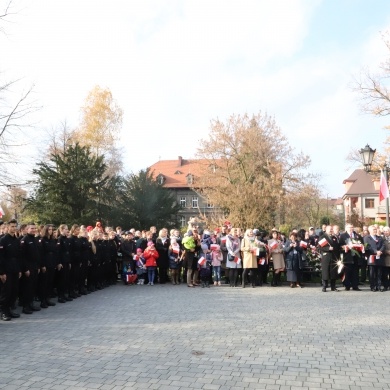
pixel 178 176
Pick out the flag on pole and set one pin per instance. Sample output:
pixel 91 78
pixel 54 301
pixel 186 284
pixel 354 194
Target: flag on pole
pixel 384 189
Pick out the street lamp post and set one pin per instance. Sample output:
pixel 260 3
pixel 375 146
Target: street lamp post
pixel 367 157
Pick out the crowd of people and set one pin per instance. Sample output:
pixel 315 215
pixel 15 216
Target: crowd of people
pixel 40 263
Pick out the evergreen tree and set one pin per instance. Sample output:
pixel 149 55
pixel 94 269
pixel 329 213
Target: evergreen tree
pixel 145 202
pixel 70 187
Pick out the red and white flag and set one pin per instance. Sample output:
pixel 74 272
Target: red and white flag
pixel 214 247
pixel 303 244
pixel 237 260
pixel 2 213
pixel 323 242
pixel 371 259
pixel 201 261
pixel 384 189
pixel 274 245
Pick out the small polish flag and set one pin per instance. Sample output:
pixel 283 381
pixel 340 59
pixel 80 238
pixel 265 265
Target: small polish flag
pixel 214 247
pixel 202 260
pixel 237 260
pixel 274 245
pixel 383 189
pixel 2 213
pixel 323 242
pixel 175 250
pixel 303 244
pixel 371 259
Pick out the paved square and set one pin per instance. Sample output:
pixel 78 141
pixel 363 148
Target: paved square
pixel 174 337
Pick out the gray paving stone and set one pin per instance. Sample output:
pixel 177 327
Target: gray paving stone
pixel 284 339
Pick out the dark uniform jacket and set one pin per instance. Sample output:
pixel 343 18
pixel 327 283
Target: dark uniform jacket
pixel 30 252
pixel 10 252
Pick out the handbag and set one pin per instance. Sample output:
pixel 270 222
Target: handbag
pixel 231 257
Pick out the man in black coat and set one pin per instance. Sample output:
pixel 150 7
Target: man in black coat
pixel 350 258
pixel 9 271
pixel 375 248
pixel 329 247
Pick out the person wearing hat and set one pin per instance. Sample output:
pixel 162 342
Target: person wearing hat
pixel 275 246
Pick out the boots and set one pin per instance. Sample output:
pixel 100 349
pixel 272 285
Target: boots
pixel 273 280
pixel 324 285
pixel 333 285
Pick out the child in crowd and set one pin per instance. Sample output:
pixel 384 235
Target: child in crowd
pixel 216 259
pixel 151 255
pixel 204 265
pixel 174 260
pixel 129 277
pixel 141 267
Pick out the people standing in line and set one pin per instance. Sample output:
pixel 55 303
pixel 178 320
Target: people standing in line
pixel 249 247
pixel 294 264
pixel 233 262
pixel 275 246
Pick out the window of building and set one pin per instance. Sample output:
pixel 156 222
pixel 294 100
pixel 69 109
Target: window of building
pixel 160 179
pixel 190 179
pixel 182 221
pixel 369 203
pixel 194 202
pixel 209 205
pixel 183 201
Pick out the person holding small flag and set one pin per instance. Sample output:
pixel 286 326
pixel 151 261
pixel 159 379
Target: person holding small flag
pixel 328 247
pixel 275 246
pixel 233 261
pixel 350 257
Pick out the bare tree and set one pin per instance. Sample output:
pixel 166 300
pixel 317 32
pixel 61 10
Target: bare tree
pixel 248 168
pixel 15 107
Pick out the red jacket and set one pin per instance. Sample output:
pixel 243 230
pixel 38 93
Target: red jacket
pixel 150 255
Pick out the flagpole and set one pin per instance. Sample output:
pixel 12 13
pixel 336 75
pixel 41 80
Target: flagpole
pixel 386 173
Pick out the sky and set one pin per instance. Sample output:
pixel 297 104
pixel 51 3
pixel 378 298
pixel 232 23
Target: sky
pixel 173 66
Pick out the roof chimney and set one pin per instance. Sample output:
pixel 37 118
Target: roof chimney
pixel 180 161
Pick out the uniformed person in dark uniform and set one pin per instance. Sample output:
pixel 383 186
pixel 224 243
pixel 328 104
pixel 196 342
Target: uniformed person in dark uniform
pixel 31 264
pixel 10 271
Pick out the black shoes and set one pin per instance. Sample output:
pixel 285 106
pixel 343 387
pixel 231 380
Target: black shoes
pixel 69 299
pixel 34 308
pixel 323 289
pixel 50 303
pixel 14 315
pixel 356 289
pixel 61 300
pixel 27 310
pixel 5 317
pixel 335 289
pixel 44 305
